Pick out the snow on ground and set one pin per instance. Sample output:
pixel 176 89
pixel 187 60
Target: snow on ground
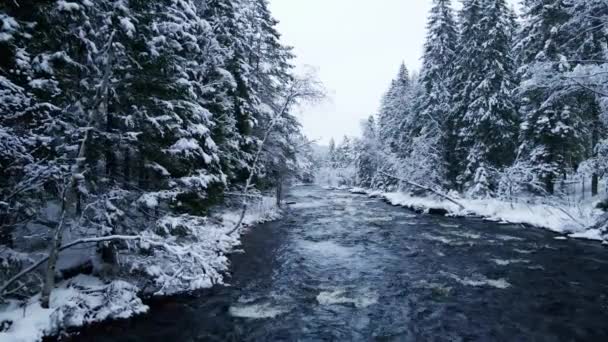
pixel 85 300
pixel 572 221
pixel 76 302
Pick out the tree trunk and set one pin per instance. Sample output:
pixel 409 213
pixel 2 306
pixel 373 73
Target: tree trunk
pixel 583 188
pixel 279 193
pixel 595 139
pixel 595 185
pixel 127 167
pixel 49 281
pixel 550 185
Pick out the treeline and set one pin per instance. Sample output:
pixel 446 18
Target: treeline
pixel 135 117
pixel 503 104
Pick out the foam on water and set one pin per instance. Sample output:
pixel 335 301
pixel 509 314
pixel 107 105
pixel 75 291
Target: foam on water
pixel 446 241
pixel 447 225
pixel 479 281
pixel 307 205
pixel 504 262
pixel 380 219
pixel 359 300
pixel 508 238
pixel 438 239
pixel 523 251
pixel 256 311
pixel 326 249
pixel 467 235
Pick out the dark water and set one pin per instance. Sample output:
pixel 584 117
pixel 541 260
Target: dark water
pixel 342 267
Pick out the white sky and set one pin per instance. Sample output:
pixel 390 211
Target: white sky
pixel 357 47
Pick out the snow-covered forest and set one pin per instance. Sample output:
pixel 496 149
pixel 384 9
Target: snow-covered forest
pixel 134 136
pixel 509 105
pixel 140 138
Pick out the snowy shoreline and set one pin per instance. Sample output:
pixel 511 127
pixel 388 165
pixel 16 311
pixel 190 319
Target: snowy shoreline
pixel 569 225
pixel 86 300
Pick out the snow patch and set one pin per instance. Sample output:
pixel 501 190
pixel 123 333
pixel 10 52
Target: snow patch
pixel 128 27
pixel 591 234
pixel 67 6
pixel 556 217
pixel 76 302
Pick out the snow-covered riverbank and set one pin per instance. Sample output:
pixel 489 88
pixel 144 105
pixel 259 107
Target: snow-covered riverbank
pixel 88 299
pixel 571 221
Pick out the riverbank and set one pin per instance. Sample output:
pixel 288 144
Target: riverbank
pixel 88 299
pixel 569 221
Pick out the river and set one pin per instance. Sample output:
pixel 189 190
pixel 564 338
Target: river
pixel 344 267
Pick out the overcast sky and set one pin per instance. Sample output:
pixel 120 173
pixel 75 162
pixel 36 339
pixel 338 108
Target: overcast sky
pixel 357 47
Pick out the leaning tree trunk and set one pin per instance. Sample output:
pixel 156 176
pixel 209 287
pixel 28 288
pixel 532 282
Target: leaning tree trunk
pixel 595 185
pixel 68 196
pixel 51 270
pixel 70 193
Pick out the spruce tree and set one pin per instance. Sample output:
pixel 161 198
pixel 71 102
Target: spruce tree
pixel 551 132
pixel 394 110
pixel 488 126
pixel 464 76
pixel 438 59
pixel 432 120
pixel 367 161
pixel 587 48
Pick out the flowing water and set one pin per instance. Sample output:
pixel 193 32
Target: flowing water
pixel 343 267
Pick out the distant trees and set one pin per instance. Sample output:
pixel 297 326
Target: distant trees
pixel 502 104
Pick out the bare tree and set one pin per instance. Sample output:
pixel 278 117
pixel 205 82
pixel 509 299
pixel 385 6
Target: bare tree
pixel 305 89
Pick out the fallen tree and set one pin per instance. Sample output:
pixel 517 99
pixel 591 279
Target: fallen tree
pixel 436 192
pixel 5 287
